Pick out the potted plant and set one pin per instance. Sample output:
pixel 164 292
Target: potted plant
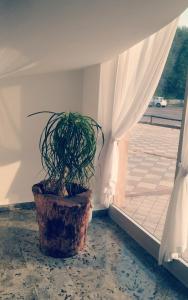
pixel 63 199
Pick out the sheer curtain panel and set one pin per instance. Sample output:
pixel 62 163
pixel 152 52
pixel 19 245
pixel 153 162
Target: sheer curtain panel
pixel 138 71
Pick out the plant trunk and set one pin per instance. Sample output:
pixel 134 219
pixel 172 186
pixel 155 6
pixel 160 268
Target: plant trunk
pixel 62 222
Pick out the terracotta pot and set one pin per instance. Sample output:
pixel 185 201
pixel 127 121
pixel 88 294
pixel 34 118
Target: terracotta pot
pixel 62 222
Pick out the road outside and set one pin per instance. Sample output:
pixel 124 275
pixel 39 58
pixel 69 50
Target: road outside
pixel 170 112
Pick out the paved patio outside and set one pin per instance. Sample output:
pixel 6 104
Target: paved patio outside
pixel 151 169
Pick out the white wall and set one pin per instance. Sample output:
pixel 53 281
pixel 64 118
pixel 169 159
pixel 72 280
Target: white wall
pixel 98 92
pixel 106 94
pixel 81 90
pixel 91 82
pixel 99 83
pixel 19 155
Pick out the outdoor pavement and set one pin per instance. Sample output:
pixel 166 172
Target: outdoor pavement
pixel 151 169
pixel 152 159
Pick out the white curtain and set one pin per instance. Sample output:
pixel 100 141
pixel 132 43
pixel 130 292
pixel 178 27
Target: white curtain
pixel 138 72
pixel 175 235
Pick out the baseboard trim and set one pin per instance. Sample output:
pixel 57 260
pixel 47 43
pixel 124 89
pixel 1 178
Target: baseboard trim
pixel 23 205
pixel 99 212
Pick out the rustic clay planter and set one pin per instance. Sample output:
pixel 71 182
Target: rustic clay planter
pixel 62 222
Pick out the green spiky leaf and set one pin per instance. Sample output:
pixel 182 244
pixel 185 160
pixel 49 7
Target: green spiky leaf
pixel 68 146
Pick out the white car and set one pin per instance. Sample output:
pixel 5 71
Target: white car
pixel 159 102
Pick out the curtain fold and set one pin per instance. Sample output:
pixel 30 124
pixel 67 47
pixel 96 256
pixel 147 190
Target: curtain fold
pixel 138 71
pixel 175 235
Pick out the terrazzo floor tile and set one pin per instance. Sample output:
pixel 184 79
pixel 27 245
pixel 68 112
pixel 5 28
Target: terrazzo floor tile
pixel 112 266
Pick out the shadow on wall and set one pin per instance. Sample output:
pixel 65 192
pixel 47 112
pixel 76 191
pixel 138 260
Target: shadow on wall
pixel 20 165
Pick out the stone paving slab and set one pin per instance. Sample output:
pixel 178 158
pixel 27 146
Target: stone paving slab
pixel 152 159
pixel 151 170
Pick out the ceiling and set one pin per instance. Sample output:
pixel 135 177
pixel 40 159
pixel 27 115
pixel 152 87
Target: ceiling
pixel 46 35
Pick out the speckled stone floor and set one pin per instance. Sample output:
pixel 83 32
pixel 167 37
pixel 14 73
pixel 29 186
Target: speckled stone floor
pixel 112 266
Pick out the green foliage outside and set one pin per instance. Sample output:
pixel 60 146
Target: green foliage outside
pixel 173 80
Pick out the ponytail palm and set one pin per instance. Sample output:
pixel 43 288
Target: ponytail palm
pixel 68 145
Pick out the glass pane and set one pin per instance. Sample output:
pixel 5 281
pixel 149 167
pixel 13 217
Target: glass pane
pixel 153 146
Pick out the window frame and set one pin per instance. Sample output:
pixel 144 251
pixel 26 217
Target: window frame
pixel 179 268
